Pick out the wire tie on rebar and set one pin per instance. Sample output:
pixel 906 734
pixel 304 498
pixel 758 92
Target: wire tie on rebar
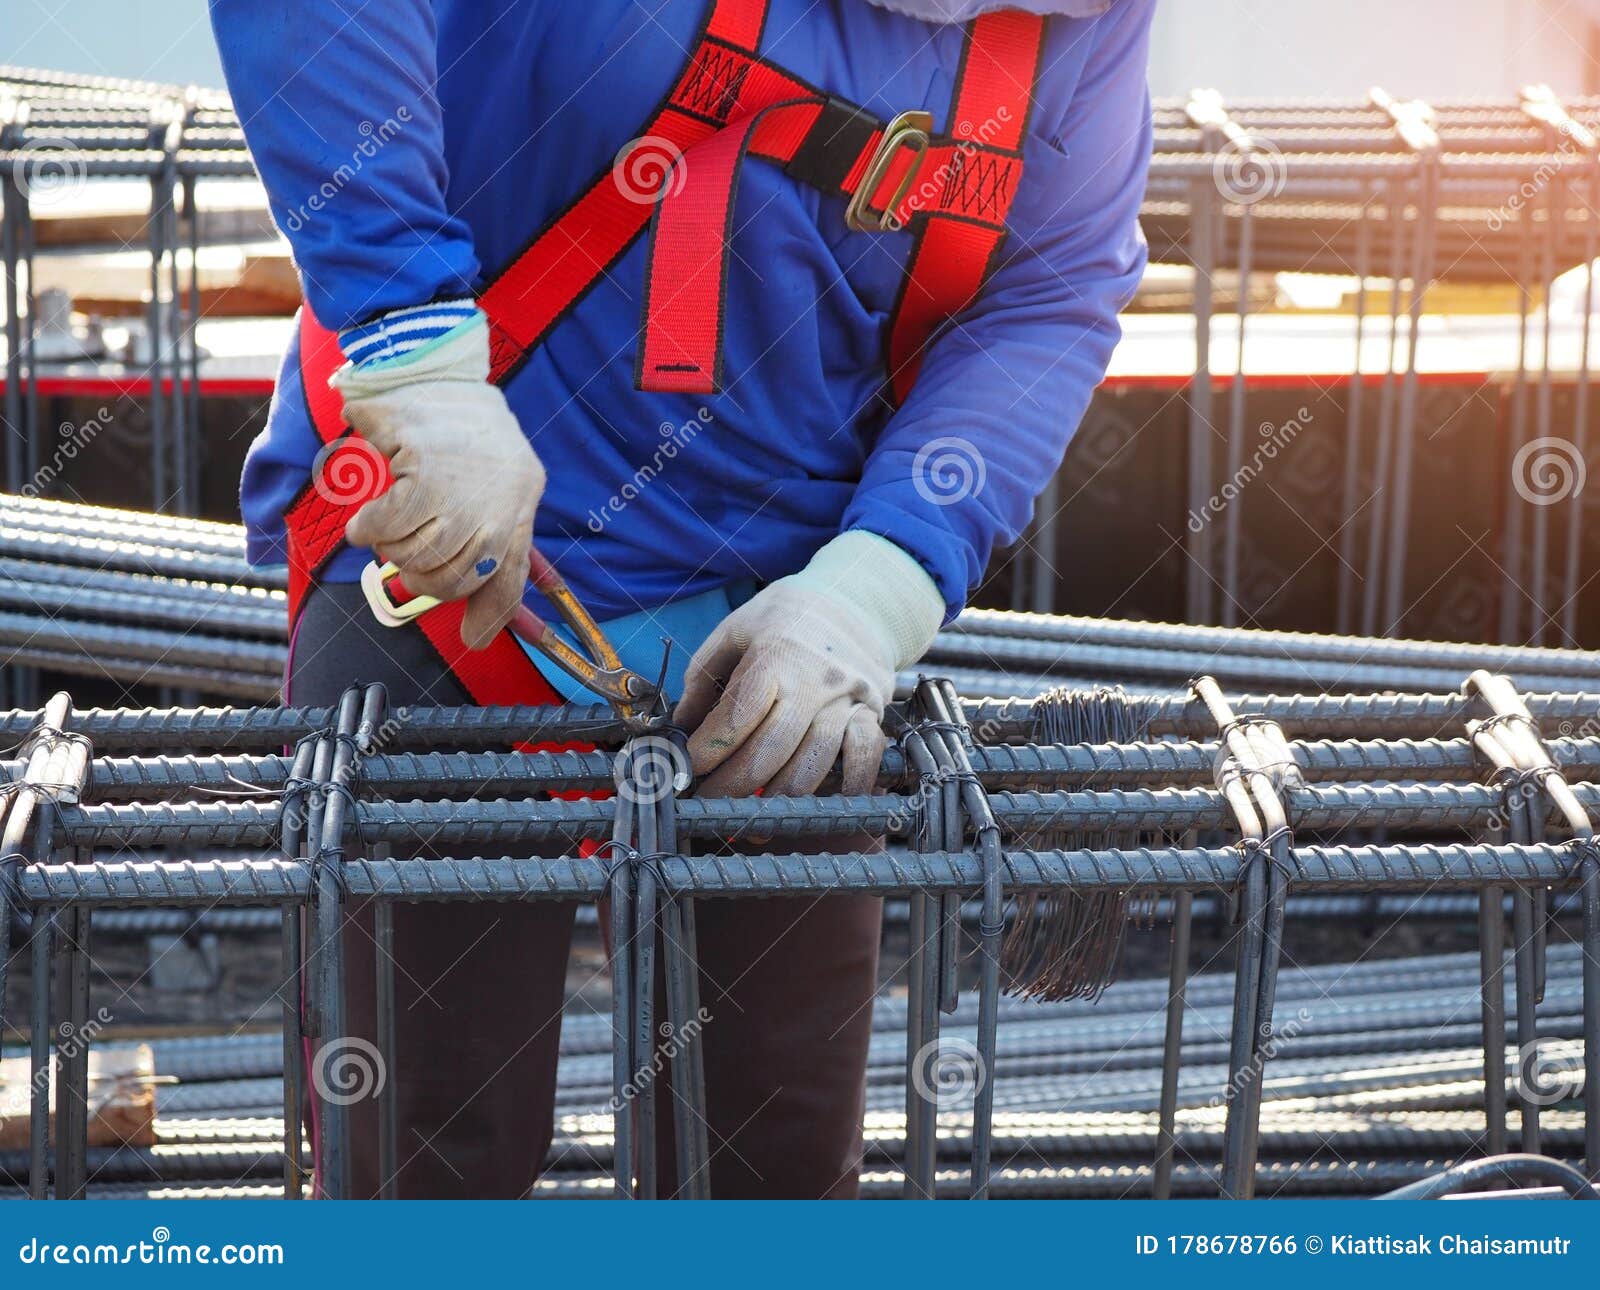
pixel 11 884
pixel 1512 779
pixel 1495 719
pixel 1262 848
pixel 49 731
pixel 1585 847
pixel 356 820
pixel 623 856
pixel 1246 722
pixel 927 780
pixel 61 793
pixel 296 786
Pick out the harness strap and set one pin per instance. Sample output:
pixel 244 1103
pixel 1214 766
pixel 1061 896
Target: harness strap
pixel 954 192
pixel 564 261
pixel 957 246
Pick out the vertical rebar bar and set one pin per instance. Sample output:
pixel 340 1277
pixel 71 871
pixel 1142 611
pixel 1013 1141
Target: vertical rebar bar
pixel 1554 214
pixel 388 1053
pixel 1233 518
pixel 1512 566
pixel 620 893
pixel 921 1091
pixel 1580 403
pixel 1491 973
pixel 42 1057
pixel 953 729
pixel 1422 256
pixel 1046 579
pixel 293 1051
pixel 334 770
pixel 1383 450
pixel 1352 425
pixel 690 1128
pixel 72 1053
pixel 1203 202
pixel 1172 1044
pixel 645 931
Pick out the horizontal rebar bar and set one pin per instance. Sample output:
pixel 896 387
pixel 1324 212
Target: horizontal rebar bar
pixel 245 882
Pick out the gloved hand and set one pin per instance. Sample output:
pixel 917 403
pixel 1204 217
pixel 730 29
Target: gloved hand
pixel 458 519
pixel 803 670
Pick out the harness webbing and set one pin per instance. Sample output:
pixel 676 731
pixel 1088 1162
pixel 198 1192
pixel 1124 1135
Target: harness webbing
pixel 953 195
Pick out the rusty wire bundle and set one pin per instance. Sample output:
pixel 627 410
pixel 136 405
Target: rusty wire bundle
pixel 1064 945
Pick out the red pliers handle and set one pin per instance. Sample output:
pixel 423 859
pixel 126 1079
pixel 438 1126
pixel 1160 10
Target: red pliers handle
pixel 596 665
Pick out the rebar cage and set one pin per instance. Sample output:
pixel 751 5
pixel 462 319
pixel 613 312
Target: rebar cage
pixel 1247 799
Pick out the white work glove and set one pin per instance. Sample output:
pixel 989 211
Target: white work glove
pixel 458 519
pixel 802 671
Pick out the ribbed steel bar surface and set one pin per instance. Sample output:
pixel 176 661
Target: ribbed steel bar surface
pixel 349 812
pixel 253 882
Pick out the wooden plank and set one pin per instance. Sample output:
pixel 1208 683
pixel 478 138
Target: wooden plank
pixel 122 1098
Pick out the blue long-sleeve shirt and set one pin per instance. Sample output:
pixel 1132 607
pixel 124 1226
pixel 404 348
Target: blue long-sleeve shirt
pixel 410 150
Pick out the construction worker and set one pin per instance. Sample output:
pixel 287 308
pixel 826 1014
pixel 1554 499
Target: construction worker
pixel 686 293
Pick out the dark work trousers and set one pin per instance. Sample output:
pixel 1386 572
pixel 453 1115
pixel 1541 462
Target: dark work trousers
pixel 787 986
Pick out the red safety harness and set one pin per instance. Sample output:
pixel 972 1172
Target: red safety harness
pixel 950 192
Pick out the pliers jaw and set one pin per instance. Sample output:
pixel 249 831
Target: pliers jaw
pixel 639 704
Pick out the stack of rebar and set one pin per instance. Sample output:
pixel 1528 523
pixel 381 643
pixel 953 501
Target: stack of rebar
pixel 157 600
pixel 1377 1081
pixel 141 599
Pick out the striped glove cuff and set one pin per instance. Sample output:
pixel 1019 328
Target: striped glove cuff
pixel 400 331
